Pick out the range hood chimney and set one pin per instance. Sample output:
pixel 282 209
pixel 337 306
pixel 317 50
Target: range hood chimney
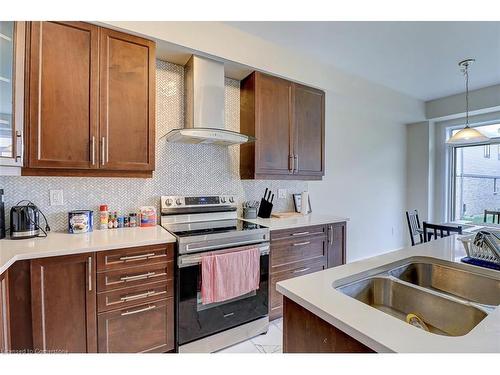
pixel 204 106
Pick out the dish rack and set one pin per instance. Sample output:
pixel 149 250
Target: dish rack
pixel 483 249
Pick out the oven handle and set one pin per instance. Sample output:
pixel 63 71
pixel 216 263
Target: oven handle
pixel 189 260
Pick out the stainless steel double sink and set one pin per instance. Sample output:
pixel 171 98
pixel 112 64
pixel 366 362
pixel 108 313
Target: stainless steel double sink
pixel 451 298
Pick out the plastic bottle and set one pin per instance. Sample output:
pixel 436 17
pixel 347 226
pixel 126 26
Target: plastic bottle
pixel 110 220
pixel 103 217
pixel 115 220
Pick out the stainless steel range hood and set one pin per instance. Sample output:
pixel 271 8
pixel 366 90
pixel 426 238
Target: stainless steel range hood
pixel 204 106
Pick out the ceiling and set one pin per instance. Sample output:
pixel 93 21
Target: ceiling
pixel 416 58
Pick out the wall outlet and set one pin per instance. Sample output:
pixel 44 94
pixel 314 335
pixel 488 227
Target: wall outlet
pixel 56 197
pixel 281 193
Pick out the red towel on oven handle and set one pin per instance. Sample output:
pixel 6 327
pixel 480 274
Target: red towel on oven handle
pixel 229 274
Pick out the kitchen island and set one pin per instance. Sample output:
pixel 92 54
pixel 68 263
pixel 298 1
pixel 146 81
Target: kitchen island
pixel 314 309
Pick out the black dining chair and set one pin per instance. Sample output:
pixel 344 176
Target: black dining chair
pixel 431 231
pixel 495 214
pixel 414 227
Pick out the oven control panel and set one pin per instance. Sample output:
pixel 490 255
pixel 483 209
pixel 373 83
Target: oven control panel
pixel 197 201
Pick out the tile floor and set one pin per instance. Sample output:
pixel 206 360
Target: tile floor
pixel 271 342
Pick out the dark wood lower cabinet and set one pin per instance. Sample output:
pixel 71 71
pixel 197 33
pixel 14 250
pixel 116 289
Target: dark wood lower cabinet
pixel 63 302
pixel 300 251
pixel 135 300
pixel 4 315
pixel 118 301
pixel 304 332
pixel 139 329
pixel 337 244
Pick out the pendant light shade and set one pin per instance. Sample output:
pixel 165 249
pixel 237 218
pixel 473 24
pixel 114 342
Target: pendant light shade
pixel 467 135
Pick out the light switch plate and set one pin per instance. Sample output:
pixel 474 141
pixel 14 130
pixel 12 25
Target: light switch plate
pixel 56 197
pixel 281 193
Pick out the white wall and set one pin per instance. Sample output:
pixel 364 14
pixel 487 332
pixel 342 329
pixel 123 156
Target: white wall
pixel 365 134
pixel 417 163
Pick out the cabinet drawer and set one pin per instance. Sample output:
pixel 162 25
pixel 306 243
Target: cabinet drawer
pixel 294 233
pixel 144 328
pixel 300 269
pixel 283 254
pixel 135 256
pixel 135 276
pixel 126 297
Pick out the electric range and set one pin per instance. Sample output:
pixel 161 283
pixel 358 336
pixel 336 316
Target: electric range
pixel 208 224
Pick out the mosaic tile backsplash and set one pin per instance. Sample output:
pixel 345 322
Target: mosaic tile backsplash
pixel 181 169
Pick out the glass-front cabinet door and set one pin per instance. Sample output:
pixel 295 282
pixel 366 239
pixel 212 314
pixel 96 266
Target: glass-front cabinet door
pixel 12 51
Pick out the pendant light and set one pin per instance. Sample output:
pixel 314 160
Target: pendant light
pixel 467 135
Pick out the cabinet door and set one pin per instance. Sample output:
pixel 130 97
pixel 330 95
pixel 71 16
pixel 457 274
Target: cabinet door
pixel 64 303
pixel 4 316
pixel 336 244
pixel 144 328
pixel 63 95
pixel 273 125
pixel 12 51
pixel 127 97
pixel 309 131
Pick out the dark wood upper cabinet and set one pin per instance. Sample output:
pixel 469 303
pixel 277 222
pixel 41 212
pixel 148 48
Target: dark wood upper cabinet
pixel 127 97
pixel 287 121
pixel 63 300
pixel 91 101
pixel 309 140
pixel 266 115
pixel 63 95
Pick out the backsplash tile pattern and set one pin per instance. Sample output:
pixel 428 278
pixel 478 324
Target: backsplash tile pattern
pixel 181 169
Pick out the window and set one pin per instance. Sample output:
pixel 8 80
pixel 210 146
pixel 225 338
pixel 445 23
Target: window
pixel 476 178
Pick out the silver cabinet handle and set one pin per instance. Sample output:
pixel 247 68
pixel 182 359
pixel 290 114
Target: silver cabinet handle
pixel 150 307
pixel 296 163
pixel 103 145
pixel 302 243
pixel 290 164
pixel 137 277
pixel 302 270
pixel 330 234
pixel 137 257
pixel 93 150
pixel 300 234
pixel 150 293
pixel 90 273
pixel 19 145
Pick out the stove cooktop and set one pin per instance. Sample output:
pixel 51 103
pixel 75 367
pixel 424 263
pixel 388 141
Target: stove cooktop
pixel 214 227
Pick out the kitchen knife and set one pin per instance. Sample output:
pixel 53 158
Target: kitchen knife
pixel 272 198
pixel 265 193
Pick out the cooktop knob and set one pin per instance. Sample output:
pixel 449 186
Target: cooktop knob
pixel 168 202
pixel 178 201
pixel 231 199
pixel 223 199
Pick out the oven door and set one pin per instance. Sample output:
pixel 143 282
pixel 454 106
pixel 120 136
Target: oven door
pixel 196 321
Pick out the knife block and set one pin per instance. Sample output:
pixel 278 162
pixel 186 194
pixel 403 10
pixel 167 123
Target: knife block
pixel 265 209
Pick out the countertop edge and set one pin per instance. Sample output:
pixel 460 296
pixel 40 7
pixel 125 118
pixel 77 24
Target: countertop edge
pixel 88 249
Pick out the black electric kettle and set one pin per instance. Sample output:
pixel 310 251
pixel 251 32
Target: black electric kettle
pixel 25 221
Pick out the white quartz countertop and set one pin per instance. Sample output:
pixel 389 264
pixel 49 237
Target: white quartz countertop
pixel 274 223
pixel 379 331
pixel 59 243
